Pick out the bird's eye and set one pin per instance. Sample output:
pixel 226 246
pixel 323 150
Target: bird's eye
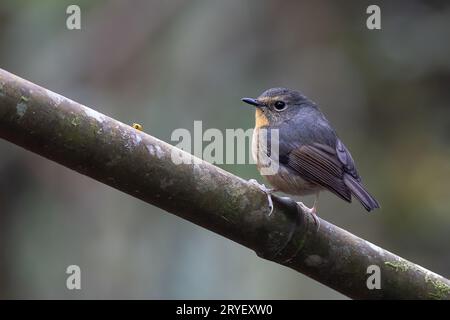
pixel 280 105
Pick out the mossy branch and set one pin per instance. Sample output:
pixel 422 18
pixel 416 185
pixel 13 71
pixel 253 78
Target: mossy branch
pixel 136 163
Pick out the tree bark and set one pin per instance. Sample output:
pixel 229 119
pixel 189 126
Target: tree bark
pixel 141 165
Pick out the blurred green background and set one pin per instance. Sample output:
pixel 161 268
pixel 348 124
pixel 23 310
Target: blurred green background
pixel 165 64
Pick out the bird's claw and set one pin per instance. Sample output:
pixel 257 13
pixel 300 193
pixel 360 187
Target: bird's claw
pixel 267 191
pixel 269 199
pixel 310 211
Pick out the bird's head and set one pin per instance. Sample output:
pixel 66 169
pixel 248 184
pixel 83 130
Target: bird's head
pixel 277 105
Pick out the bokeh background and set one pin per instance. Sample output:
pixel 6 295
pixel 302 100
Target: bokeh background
pixel 165 64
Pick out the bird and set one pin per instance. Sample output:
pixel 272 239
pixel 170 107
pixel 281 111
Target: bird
pixel 311 158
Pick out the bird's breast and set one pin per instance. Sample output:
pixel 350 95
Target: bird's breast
pixel 292 183
pixel 255 143
pixel 260 119
pixel 285 179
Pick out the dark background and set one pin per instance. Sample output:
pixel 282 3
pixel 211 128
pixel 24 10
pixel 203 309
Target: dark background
pixel 165 64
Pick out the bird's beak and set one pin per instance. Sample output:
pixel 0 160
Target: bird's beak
pixel 253 102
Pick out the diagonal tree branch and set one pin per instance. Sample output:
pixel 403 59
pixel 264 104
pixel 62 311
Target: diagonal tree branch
pixel 140 165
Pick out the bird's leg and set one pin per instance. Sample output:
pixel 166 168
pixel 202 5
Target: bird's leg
pixel 316 203
pixel 267 191
pixel 312 211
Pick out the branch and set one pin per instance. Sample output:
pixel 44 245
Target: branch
pixel 140 165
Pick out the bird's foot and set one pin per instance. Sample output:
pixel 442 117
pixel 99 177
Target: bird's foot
pixel 267 191
pixel 312 211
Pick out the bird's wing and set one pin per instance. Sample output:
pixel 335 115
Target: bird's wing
pixel 321 164
pixel 314 152
pixel 346 159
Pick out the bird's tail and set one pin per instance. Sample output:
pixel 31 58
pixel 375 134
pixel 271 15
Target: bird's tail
pixel 361 193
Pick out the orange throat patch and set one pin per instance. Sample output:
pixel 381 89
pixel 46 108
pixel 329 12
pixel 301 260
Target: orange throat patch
pixel 260 119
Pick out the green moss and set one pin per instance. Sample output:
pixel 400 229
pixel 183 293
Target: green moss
pixel 75 121
pixel 299 243
pixel 441 289
pixel 398 265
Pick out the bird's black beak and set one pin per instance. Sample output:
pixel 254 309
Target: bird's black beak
pixel 253 102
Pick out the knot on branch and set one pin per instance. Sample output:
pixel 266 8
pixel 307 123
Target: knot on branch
pixel 302 227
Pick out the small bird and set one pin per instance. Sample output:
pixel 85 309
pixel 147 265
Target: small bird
pixel 311 157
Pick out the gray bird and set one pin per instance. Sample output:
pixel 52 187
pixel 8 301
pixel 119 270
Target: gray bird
pixel 311 156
